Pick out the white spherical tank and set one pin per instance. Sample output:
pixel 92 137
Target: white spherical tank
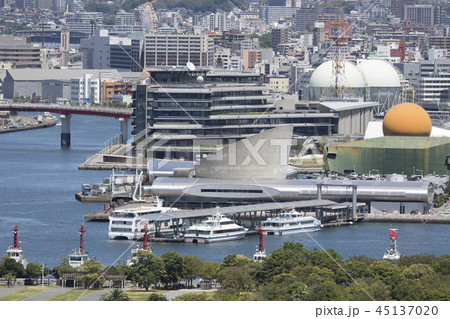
pixel 322 78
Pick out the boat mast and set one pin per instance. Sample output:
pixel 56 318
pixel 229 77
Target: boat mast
pixel 261 245
pixel 145 230
pixel 393 236
pixel 15 230
pixel 82 231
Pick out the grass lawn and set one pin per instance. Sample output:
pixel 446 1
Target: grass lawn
pixel 71 295
pixel 23 293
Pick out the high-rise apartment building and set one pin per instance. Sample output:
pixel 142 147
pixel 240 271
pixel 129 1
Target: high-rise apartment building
pixel 177 50
pixel 397 7
pixel 420 14
pixel 20 52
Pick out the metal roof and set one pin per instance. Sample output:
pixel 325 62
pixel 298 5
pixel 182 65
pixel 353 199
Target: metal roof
pixel 239 209
pixel 58 74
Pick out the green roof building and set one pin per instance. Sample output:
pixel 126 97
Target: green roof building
pixel 391 154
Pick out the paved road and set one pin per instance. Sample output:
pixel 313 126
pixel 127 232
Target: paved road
pixel 5 291
pixel 47 294
pixel 94 296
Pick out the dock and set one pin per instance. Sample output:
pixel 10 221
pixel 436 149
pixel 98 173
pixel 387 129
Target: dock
pixel 114 157
pixel 98 216
pixel 92 198
pixel 404 218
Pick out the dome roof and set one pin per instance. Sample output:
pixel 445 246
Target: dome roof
pixel 322 76
pixel 407 119
pixel 379 73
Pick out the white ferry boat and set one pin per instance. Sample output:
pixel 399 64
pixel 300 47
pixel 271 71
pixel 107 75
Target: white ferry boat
pixel 16 252
pixel 290 223
pixel 127 223
pixel 215 228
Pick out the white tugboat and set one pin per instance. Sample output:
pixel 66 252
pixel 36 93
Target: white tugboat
pixel 79 257
pixel 16 252
pixel 260 253
pixel 145 247
pixel 392 253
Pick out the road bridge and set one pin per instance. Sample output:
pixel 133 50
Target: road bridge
pixel 66 111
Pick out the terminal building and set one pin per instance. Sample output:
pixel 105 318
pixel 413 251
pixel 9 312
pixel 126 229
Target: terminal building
pixel 237 175
pixel 200 107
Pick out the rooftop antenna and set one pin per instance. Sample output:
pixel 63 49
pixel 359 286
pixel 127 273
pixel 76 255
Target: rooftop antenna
pixel 190 66
pixel 338 86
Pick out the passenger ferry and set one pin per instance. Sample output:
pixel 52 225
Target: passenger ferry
pixel 215 228
pixel 16 252
pixel 127 223
pixel 290 223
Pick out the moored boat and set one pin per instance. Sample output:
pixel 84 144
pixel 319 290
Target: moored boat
pixel 215 228
pixel 16 252
pixel 392 253
pixel 290 223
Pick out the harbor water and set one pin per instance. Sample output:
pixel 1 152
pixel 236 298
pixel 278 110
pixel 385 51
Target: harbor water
pixel 38 180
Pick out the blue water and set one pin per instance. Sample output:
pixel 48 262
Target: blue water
pixel 38 180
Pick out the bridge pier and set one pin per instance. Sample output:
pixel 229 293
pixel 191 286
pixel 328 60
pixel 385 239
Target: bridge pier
pixel 123 130
pixel 65 129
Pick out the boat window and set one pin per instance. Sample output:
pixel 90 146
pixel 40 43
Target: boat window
pixel 252 191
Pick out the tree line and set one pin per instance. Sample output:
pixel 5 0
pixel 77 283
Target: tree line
pixel 291 272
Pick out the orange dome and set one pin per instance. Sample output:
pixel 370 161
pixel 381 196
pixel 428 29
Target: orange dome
pixel 407 119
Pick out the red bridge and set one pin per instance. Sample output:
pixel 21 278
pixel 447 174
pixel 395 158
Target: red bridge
pixel 66 111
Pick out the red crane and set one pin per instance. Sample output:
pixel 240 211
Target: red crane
pixel 82 231
pixel 15 230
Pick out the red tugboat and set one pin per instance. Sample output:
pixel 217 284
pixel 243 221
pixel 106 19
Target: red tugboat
pixel 77 258
pixel 260 253
pixel 16 252
pixel 145 247
pixel 392 253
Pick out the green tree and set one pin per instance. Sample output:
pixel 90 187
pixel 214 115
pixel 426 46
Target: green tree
pixel 209 271
pixel 297 291
pixel 192 267
pixel 115 295
pixel 92 273
pixel 442 265
pixel 10 279
pixel 64 268
pixel 386 271
pixel 408 290
pixel 147 270
pixel 283 260
pixel 173 264
pixel 33 270
pixel 236 278
pixel 234 260
pixel 418 271
pixel 10 266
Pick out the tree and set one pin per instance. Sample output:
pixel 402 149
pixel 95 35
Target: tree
pixel 209 271
pixel 92 271
pixel 147 270
pixel 33 270
pixel 115 295
pixel 234 260
pixel 64 268
pixel 283 260
pixel 236 278
pixel 192 267
pixel 418 271
pixel 408 290
pixel 173 264
pixel 10 278
pixel 10 266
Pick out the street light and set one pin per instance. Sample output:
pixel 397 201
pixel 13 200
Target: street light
pixel 414 170
pixel 43 265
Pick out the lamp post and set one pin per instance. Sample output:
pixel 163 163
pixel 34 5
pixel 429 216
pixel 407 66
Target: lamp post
pixel 43 265
pixel 414 170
